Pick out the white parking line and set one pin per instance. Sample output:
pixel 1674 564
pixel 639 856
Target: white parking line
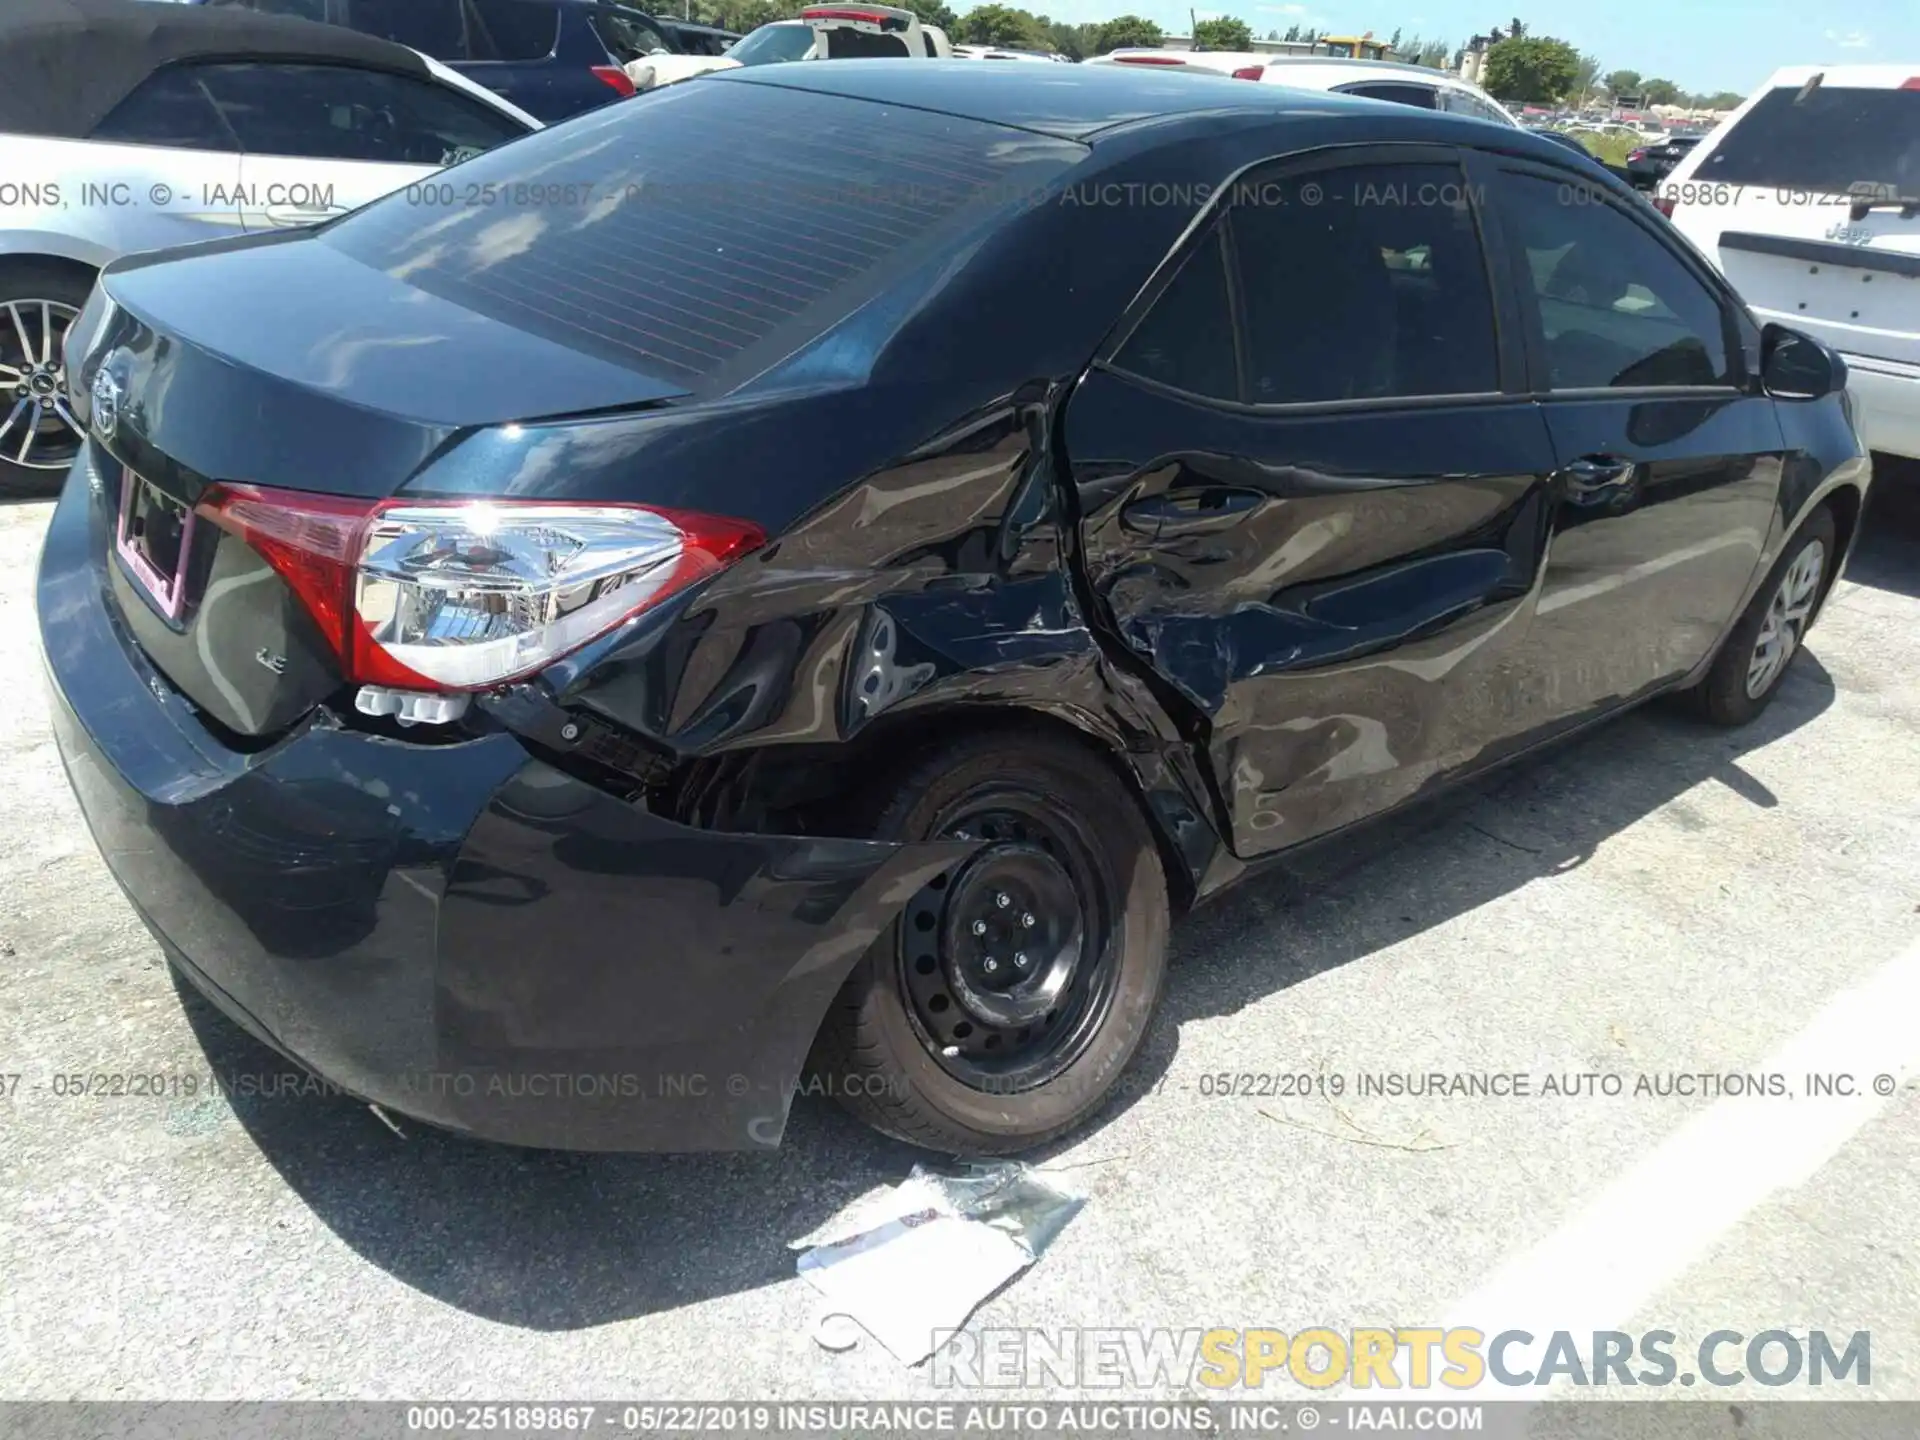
pixel 1648 1227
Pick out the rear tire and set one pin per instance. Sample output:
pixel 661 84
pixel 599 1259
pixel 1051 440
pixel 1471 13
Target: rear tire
pixel 923 1041
pixel 37 442
pixel 1772 630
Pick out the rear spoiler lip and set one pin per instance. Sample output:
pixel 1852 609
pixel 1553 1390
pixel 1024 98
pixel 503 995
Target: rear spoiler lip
pixel 1824 252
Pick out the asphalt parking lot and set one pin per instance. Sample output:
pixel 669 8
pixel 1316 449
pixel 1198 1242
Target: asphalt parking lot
pixel 1656 898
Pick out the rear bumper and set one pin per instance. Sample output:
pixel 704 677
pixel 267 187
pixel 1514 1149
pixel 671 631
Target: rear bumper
pixel 459 932
pixel 1886 395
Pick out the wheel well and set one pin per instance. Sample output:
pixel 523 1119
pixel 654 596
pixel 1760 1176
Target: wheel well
pixel 77 269
pixel 816 790
pixel 1845 504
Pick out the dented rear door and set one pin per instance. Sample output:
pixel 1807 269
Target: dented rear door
pixel 1326 558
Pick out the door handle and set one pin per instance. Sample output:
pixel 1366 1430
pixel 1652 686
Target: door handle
pixel 1185 511
pixel 1595 478
pixel 293 215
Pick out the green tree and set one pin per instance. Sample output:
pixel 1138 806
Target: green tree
pixel 999 25
pixel 1225 33
pixel 1623 82
pixel 1586 77
pixel 1516 30
pixel 1293 33
pixel 1073 41
pixel 1127 31
pixel 1722 100
pixel 931 12
pixel 1661 92
pixel 1534 71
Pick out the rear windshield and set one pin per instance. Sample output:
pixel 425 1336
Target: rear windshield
pixel 1825 140
pixel 772 44
pixel 704 225
pixel 628 36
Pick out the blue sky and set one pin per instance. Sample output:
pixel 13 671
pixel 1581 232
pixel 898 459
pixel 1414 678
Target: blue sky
pixel 1701 45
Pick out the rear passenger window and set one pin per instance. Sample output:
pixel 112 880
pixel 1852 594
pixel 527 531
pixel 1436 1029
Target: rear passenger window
pixel 1186 341
pixel 1618 309
pixel 170 108
pixel 344 112
pixel 1366 283
pixel 511 30
pixel 1418 96
pixel 431 26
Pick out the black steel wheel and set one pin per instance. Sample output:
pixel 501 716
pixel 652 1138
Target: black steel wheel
pixel 1001 1007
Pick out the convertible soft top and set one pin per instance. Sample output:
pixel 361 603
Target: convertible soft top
pixel 69 62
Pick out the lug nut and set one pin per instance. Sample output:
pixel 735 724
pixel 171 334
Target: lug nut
pixel 1020 959
pixel 1026 921
pixel 992 965
pixel 979 927
pixel 1002 899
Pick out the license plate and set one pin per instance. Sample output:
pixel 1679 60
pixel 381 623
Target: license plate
pixel 154 539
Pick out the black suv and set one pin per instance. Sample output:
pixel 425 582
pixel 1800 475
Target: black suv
pixel 552 58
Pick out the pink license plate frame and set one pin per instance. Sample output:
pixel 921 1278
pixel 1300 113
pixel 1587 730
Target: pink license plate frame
pixel 168 592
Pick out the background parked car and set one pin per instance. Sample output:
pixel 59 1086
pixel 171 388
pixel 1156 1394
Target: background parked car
pixel 1650 164
pixel 193 124
pixel 553 58
pixel 1001 52
pixel 1808 197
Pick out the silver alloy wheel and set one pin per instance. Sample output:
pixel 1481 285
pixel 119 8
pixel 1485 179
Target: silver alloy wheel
pixel 1787 615
pixel 37 429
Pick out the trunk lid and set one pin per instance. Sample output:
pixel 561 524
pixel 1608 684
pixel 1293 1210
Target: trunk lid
pixel 285 364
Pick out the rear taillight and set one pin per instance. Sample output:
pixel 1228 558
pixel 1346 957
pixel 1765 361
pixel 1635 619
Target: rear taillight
pixel 1664 204
pixel 614 76
pixel 1250 72
pixel 465 595
pixel 1633 155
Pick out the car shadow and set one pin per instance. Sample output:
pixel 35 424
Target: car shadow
pixel 555 1241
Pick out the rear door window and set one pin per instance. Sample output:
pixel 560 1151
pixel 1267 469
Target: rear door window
pixel 1364 283
pixel 1823 139
pixel 676 234
pixel 169 108
pixel 434 27
pixel 1617 308
pixel 1186 340
pixel 1418 96
pixel 344 112
pixel 514 31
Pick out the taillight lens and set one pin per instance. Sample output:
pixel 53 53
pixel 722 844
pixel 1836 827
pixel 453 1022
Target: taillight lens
pixel 466 595
pixel 616 77
pixel 1633 155
pixel 1664 204
pixel 1250 72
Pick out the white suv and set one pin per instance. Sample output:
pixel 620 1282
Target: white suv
pixel 840 32
pixel 1808 200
